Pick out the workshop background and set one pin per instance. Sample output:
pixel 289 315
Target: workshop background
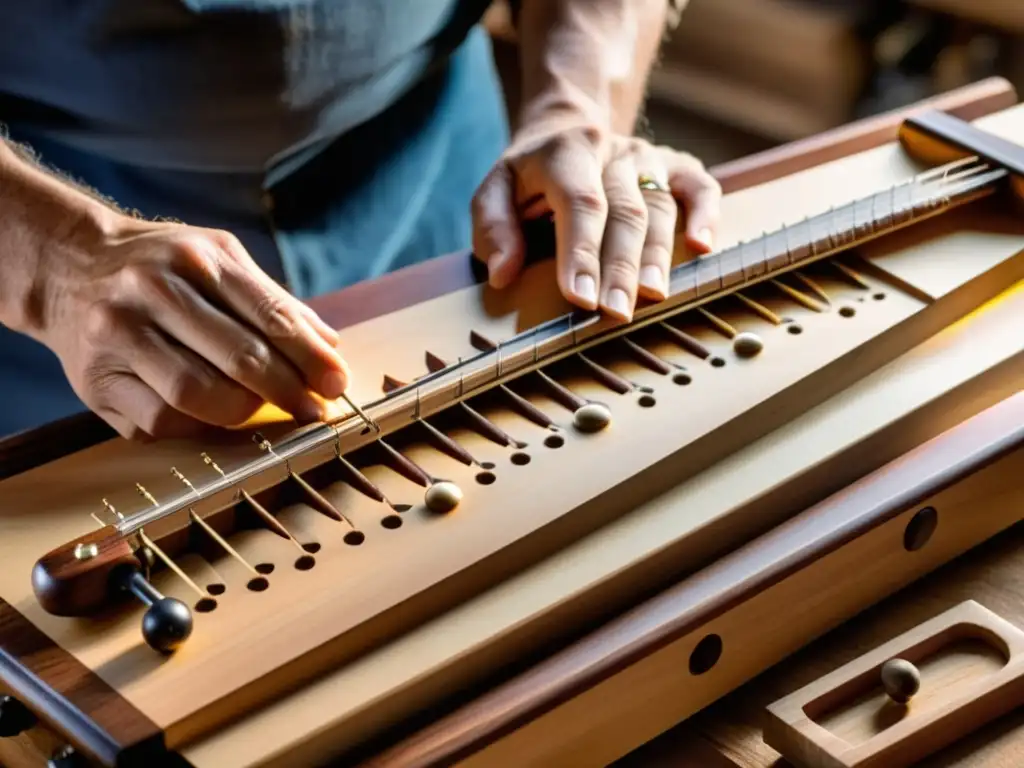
pixel 740 76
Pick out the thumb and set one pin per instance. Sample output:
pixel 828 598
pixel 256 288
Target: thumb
pixel 497 236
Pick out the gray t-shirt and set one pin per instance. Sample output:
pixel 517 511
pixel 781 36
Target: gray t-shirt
pixel 216 85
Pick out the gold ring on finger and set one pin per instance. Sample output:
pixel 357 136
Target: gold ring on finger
pixel 648 182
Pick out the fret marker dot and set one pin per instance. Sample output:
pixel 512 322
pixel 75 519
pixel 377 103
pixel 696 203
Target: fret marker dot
pixel 747 344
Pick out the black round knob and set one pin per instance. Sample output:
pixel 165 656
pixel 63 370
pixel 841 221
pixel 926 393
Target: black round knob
pixel 15 717
pixel 167 624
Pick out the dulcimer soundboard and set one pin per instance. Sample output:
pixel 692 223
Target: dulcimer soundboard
pixel 507 471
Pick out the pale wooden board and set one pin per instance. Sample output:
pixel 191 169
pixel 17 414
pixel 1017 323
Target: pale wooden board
pixel 970 665
pixel 102 471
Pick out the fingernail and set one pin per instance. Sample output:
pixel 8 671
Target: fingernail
pixel 618 303
pixel 704 236
pixel 652 278
pixel 333 384
pixel 585 288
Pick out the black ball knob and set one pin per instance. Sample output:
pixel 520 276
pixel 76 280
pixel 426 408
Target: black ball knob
pixel 167 624
pixel 15 717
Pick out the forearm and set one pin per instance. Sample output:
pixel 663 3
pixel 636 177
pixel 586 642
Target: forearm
pixel 588 57
pixel 39 213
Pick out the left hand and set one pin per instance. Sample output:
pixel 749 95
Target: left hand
pixel 614 240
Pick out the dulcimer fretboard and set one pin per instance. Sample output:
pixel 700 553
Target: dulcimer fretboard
pixel 691 283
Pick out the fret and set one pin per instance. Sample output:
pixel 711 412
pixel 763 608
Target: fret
pixel 776 246
pixel 709 278
pixel 765 256
pixel 732 268
pixel 682 284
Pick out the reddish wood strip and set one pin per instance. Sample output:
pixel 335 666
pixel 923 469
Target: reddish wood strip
pixel 71 699
pixel 683 608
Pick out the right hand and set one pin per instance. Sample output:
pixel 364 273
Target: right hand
pixel 164 329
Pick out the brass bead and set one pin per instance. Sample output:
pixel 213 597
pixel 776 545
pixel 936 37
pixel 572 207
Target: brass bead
pixel 747 344
pixel 592 417
pixel 442 497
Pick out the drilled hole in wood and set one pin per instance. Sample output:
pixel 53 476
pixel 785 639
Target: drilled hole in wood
pixel 554 441
pixel 920 529
pixel 682 379
pixel 487 464
pixel 401 507
pixel 391 522
pixel 312 547
pixel 847 311
pixel 486 478
pixel 355 538
pixel 216 589
pixel 647 401
pixel 265 568
pixel 259 584
pixel 706 654
pixel 305 563
pixel 206 605
pixel 520 459
pixel 878 296
pixel 795 329
pixel 717 362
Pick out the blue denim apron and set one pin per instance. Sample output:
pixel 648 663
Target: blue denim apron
pixel 392 192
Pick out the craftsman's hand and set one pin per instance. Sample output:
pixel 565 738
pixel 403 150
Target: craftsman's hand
pixel 614 239
pixel 164 328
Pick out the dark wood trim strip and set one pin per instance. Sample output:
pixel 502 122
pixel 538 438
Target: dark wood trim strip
pixel 968 103
pixel 806 538
pixel 72 699
pixel 445 274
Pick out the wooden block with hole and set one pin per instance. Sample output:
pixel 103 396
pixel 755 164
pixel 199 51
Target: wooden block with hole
pixel 906 699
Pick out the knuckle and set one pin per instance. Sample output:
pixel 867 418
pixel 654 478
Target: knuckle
pixel 630 215
pixel 248 359
pixel 587 202
pixel 273 318
pixel 191 255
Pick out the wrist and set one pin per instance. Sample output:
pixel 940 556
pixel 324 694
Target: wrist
pixel 46 223
pixel 587 60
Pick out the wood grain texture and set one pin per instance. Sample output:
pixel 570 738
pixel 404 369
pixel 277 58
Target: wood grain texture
pixel 970 663
pixel 805 539
pixel 106 472
pixel 992 575
pixel 451 272
pixel 71 698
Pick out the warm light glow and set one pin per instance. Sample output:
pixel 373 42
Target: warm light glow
pixel 991 304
